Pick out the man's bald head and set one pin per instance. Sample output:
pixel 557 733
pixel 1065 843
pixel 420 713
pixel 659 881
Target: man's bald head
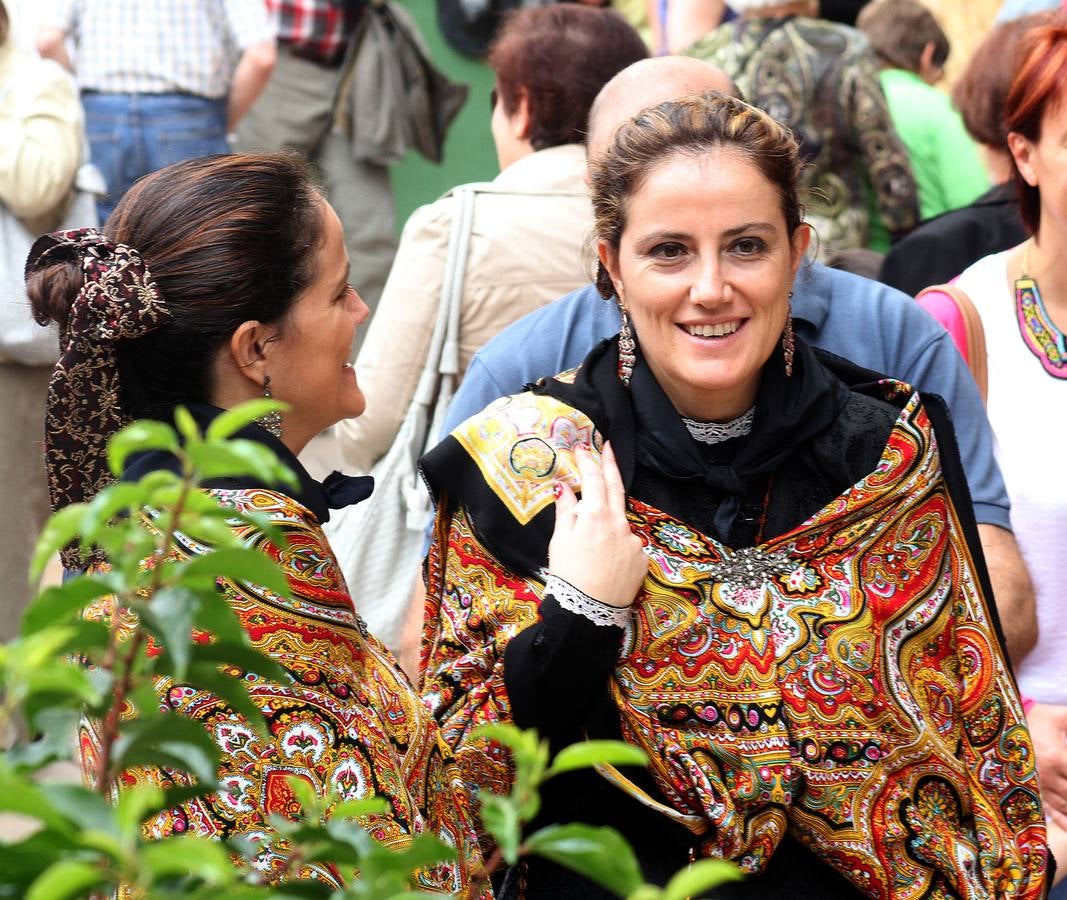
pixel 646 83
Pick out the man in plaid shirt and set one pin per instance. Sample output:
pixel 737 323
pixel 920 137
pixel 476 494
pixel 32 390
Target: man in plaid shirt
pixel 296 110
pixel 161 81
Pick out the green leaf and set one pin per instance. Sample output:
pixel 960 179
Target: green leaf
pixel 168 740
pixel 212 531
pixel 61 528
pixel 233 420
pixel 367 806
pixel 38 650
pixel 423 851
pixel 23 861
pixel 53 727
pixel 144 434
pixel 214 613
pixel 305 795
pixel 265 524
pixel 239 457
pixel 647 892
pixel 240 654
pixel 251 566
pixel 501 819
pixel 56 605
pixel 232 691
pixel 82 806
pixel 200 857
pixel 600 854
pixel 66 879
pixel 701 876
pixel 19 795
pixel 591 753
pixel 67 683
pixel 187 426
pixel 169 617
pixel 134 806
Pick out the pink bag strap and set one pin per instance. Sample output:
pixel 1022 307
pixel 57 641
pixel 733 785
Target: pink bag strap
pixel 974 350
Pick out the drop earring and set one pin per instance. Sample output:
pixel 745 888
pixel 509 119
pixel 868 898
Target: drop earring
pixel 272 421
pixel 788 341
pixel 627 346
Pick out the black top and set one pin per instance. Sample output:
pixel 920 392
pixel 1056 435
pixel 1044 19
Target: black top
pixel 336 492
pixel 942 247
pixel 814 436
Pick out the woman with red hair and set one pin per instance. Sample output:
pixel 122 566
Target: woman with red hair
pixel 1021 295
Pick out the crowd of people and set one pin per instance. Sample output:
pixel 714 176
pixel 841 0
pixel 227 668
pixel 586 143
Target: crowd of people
pixel 714 482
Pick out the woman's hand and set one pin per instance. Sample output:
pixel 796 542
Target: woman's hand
pixel 592 546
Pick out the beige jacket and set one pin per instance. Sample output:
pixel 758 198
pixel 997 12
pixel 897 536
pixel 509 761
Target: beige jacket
pixel 40 135
pixel 528 246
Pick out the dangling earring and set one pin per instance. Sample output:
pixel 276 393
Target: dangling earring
pixel 788 343
pixel 272 421
pixel 626 349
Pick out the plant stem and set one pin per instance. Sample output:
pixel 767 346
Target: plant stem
pixel 109 730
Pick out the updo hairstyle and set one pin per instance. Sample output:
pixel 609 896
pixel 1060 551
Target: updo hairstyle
pixel 693 126
pixel 228 239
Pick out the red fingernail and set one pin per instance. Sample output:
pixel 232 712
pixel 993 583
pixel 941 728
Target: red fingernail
pixel 557 489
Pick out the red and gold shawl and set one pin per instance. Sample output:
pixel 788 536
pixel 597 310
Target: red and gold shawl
pixel 348 723
pixel 858 699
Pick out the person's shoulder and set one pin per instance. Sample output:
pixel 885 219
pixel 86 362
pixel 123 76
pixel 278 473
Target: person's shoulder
pixel 985 281
pixel 715 41
pixel 548 325
pixel 34 76
pixel 865 298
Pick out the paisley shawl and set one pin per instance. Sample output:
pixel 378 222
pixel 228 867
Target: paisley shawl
pixel 859 699
pixel 348 723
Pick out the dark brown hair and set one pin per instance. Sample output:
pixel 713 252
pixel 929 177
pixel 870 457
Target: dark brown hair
pixel 711 121
pixel 561 56
pixel 228 239
pixel 5 24
pixel 1038 86
pixel 899 31
pixel 982 89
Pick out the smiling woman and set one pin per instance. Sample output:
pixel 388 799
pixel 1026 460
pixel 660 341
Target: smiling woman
pixel 215 281
pixel 770 582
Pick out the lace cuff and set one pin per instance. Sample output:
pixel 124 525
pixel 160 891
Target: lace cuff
pixel 575 601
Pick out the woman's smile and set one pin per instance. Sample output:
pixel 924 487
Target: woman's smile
pixel 704 267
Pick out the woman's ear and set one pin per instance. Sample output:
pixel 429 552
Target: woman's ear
pixel 609 259
pixel 800 241
pixel 521 120
pixel 247 351
pixel 1022 151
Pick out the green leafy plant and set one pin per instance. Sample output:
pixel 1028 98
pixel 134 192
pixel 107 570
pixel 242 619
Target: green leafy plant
pixel 97 645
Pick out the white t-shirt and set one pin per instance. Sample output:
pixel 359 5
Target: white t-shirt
pixel 1027 409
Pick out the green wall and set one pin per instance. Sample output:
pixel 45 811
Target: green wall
pixel 469 152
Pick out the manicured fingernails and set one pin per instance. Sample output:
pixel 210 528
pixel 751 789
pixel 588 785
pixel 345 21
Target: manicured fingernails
pixel 557 490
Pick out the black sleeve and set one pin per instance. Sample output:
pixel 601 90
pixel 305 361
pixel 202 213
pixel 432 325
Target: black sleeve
pixel 557 668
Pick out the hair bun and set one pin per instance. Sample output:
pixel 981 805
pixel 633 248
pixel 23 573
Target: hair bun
pixel 52 284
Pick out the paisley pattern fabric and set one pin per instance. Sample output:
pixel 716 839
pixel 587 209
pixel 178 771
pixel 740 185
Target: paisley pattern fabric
pixel 856 697
pixel 821 79
pixel 118 301
pixel 348 723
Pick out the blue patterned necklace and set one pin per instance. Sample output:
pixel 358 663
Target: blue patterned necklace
pixel 1039 332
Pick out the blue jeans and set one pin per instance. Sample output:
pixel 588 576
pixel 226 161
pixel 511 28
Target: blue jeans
pixel 131 135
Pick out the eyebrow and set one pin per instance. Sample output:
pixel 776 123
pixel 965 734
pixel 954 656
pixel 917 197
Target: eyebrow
pixel 749 226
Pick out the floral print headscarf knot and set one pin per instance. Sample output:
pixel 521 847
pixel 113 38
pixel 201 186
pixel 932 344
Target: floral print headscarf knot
pixel 118 301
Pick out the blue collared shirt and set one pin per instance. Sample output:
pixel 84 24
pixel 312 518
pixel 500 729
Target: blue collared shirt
pixel 872 325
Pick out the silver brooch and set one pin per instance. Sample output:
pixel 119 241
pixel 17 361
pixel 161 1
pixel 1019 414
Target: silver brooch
pixel 750 567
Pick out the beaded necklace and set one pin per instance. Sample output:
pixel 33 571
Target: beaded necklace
pixel 1039 332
